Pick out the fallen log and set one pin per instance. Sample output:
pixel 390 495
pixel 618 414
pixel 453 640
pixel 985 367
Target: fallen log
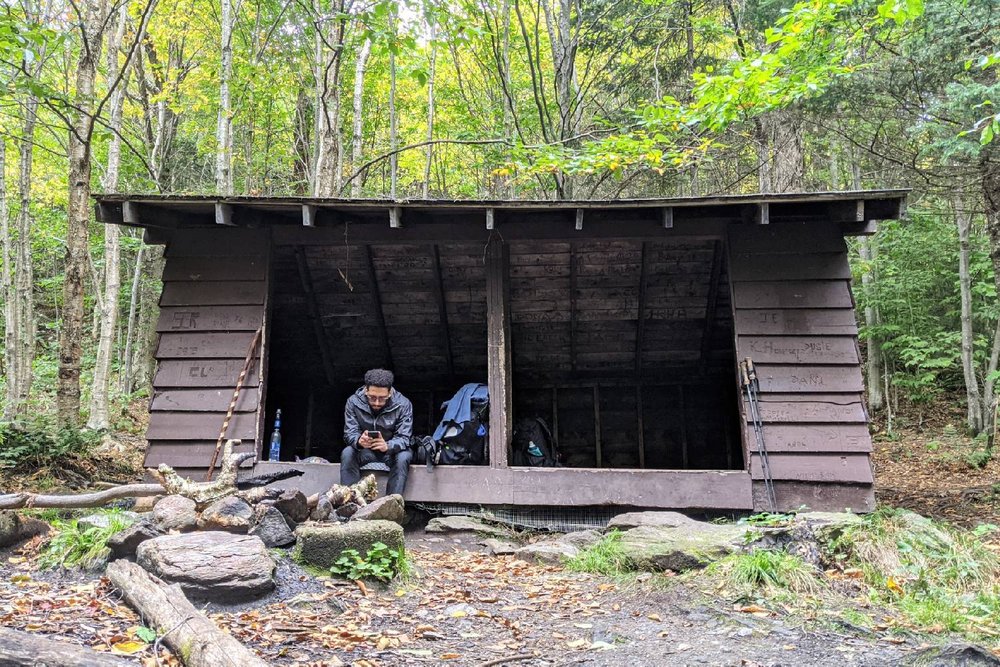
pixel 205 493
pixel 13 501
pixel 195 639
pixel 23 649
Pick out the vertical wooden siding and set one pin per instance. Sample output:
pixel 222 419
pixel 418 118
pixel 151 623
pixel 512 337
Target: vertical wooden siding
pixel 794 316
pixel 213 300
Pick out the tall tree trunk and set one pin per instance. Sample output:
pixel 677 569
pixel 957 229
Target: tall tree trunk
pixel 78 218
pixel 6 252
pixel 429 158
pixel 224 130
pixel 963 220
pixel 99 399
pixel 127 380
pixel 989 170
pixel 301 169
pixel 329 148
pixel 145 338
pixel 357 131
pixel 20 336
pixel 393 121
pixel 564 42
pixel 873 347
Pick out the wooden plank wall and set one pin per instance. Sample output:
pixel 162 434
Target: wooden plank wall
pixel 213 300
pixel 794 317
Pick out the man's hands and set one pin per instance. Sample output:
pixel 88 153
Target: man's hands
pixel 377 445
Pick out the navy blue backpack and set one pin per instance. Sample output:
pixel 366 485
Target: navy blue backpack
pixel 463 434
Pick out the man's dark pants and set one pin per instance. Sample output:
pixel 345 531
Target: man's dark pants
pixel 351 460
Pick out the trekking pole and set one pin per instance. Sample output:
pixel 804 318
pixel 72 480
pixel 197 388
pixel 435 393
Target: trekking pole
pixel 751 386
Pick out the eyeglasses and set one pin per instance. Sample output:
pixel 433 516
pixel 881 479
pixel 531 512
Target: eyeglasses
pixel 377 400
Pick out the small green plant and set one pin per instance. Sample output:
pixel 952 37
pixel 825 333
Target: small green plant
pixel 605 557
pixel 380 562
pixel 74 545
pixel 978 458
pixel 767 571
pixel 37 443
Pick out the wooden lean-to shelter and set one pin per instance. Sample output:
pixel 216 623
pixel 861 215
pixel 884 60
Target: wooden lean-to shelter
pixel 621 323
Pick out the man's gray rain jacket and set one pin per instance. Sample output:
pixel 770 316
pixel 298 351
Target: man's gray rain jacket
pixel 394 421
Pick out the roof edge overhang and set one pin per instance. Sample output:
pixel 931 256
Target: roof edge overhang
pixel 857 210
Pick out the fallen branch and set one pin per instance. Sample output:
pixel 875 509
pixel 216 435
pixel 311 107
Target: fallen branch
pixel 13 501
pixel 186 631
pixel 23 649
pixel 205 493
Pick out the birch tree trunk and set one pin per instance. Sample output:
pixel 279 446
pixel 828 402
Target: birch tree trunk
pixel 328 149
pixel 127 380
pixel 21 324
pixel 78 218
pixel 224 130
pixel 98 417
pixel 393 123
pixel 564 42
pixel 6 248
pixel 357 131
pixel 963 220
pixel 429 158
pixel 873 347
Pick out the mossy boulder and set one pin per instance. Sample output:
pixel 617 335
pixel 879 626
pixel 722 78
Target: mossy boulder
pixel 691 546
pixel 321 544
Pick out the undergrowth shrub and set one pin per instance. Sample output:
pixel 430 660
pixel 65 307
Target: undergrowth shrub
pixel 380 562
pixel 605 557
pixel 37 443
pixel 73 545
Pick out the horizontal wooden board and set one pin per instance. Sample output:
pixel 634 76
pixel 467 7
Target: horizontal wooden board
pixel 205 345
pixel 193 455
pixel 215 268
pixel 816 496
pixel 786 237
pixel 809 379
pixel 796 294
pixel 854 468
pixel 805 266
pixel 811 408
pixel 203 400
pixel 223 242
pixel 200 425
pixel 202 373
pixel 805 438
pixel 210 318
pixel 798 349
pixel 776 321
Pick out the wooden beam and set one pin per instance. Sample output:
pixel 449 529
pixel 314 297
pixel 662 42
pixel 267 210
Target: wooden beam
pixel 498 351
pixel 640 323
pixel 641 436
pixel 683 428
pixel 597 425
pixel 395 217
pixel 130 214
pixel 490 219
pixel 572 306
pixel 555 414
pixel 305 277
pixel 308 215
pixel 223 214
pixel 377 306
pixel 579 219
pixel 668 217
pixel 713 297
pixel 762 214
pixel 442 308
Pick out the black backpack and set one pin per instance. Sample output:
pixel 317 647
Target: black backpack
pixel 533 444
pixel 462 436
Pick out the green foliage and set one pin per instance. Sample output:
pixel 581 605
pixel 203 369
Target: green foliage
pixel 767 571
pixel 38 443
pixel 606 557
pixel 769 519
pixel 76 546
pixel 380 562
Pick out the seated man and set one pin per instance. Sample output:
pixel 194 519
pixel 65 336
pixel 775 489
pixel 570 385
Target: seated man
pixel 378 423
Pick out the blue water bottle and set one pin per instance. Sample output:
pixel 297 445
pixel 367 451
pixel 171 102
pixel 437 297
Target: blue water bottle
pixel 274 454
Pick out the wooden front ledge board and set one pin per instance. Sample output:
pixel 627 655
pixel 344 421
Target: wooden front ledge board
pixel 707 489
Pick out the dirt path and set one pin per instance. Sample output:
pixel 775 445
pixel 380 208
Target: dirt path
pixel 468 608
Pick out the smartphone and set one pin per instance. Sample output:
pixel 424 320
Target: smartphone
pixel 374 435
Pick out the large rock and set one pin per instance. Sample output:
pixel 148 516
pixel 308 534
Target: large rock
pixel 462 524
pixel 123 544
pixel 685 547
pixel 386 508
pixel 323 509
pixel 104 520
pixel 175 513
pixel 272 528
pixel 211 565
pixel 231 514
pixel 582 539
pixel 553 553
pixel 631 520
pixel 292 503
pixel 15 527
pixel 322 544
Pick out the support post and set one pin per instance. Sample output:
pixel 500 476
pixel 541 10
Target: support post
pixel 498 350
pixel 442 309
pixel 668 217
pixel 490 219
pixel 640 323
pixel 223 214
pixel 641 435
pixel 130 214
pixel 597 426
pixel 395 217
pixel 579 219
pixel 308 215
